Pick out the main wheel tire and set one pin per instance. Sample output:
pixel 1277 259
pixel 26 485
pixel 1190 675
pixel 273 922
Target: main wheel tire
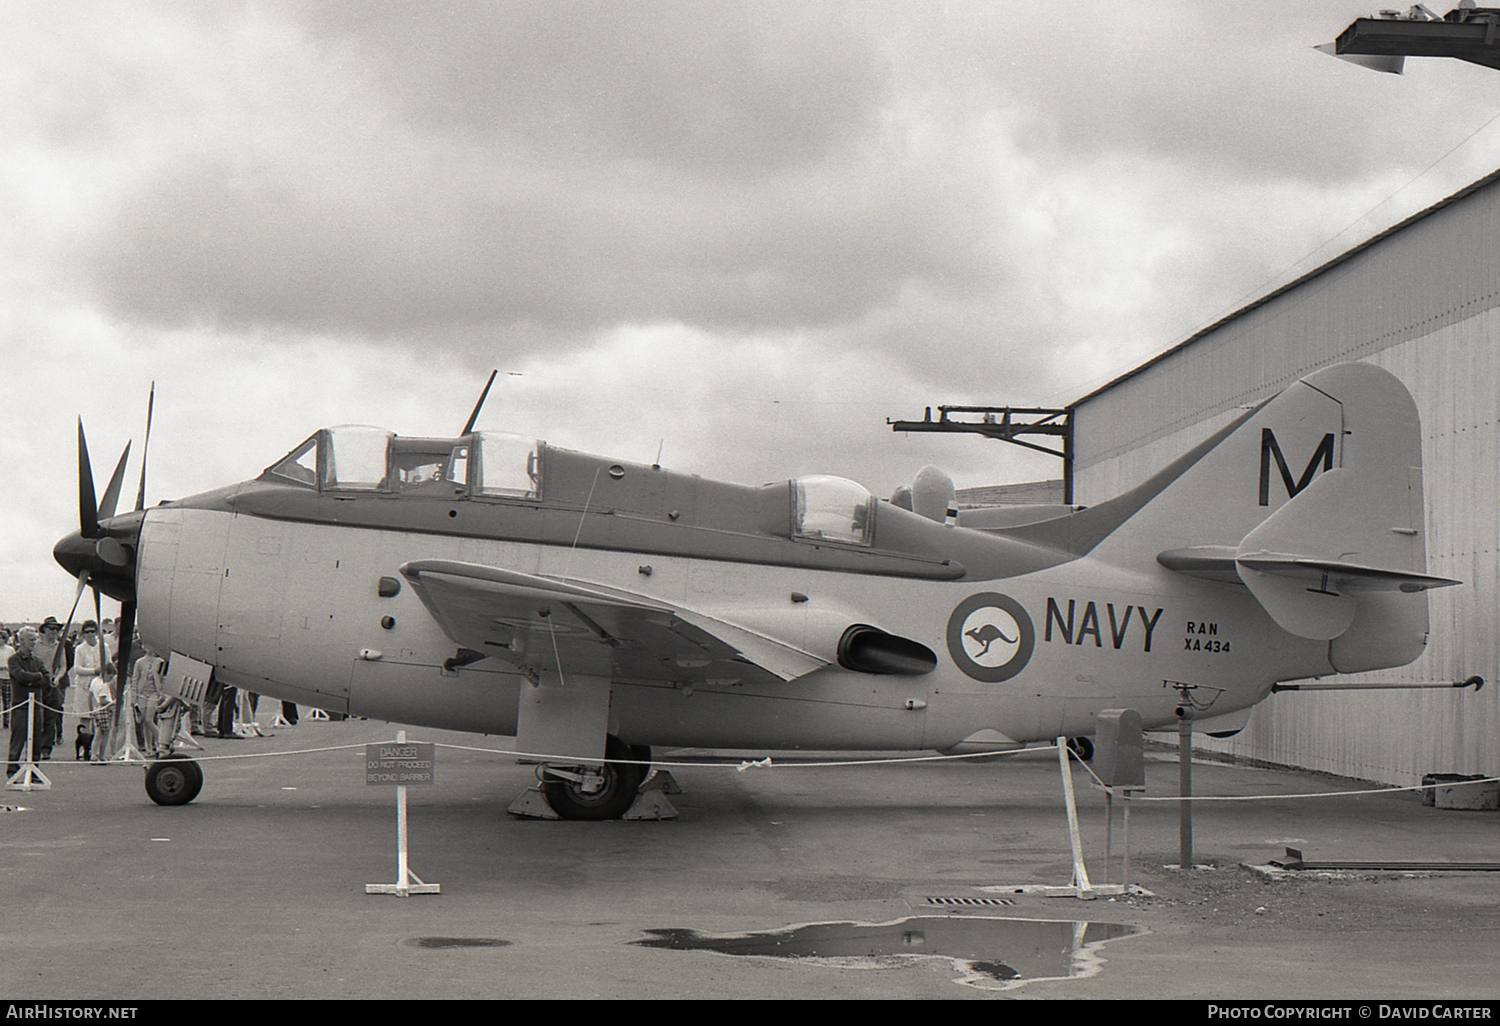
pixel 174 781
pixel 622 780
pixel 1083 747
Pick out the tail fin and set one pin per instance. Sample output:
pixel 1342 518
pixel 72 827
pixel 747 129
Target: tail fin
pixel 1312 499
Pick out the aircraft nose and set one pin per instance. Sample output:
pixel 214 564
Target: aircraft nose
pixel 109 558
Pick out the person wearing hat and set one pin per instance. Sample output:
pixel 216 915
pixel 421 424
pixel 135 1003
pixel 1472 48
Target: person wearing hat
pixel 56 654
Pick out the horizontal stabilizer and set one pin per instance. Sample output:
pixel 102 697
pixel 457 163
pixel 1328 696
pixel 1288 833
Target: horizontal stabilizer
pixel 1317 613
pixel 1342 575
pixel 1333 548
pixel 1355 528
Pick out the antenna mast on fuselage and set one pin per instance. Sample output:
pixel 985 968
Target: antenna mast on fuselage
pixel 479 405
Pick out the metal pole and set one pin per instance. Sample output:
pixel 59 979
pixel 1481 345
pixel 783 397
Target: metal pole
pixel 30 726
pixel 1185 790
pixel 401 878
pixel 1080 872
pixel 1109 827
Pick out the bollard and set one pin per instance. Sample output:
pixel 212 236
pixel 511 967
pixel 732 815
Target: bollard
pixel 1119 763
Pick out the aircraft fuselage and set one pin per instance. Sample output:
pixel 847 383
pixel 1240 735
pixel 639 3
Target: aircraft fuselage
pixel 289 593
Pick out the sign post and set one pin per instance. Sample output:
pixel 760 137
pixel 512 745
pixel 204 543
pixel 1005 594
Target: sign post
pixel 401 763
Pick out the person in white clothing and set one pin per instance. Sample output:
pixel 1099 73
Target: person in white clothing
pixel 145 685
pixel 89 657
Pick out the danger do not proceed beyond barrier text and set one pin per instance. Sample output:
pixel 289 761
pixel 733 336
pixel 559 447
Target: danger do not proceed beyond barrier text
pixel 400 762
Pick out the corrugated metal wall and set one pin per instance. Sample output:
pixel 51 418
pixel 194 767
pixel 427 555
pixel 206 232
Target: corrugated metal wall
pixel 1422 301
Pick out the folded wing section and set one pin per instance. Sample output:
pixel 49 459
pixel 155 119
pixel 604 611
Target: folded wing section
pixel 553 625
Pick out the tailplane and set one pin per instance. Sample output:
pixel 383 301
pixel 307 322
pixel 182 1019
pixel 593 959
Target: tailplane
pixel 1312 500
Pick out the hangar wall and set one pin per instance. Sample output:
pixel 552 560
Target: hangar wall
pixel 1421 300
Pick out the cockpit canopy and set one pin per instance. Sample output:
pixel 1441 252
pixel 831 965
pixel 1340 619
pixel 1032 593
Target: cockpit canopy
pixel 832 509
pixel 357 458
pixel 354 459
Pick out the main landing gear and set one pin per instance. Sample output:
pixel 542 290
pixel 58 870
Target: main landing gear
pixel 1083 747
pixel 612 791
pixel 584 794
pixel 174 780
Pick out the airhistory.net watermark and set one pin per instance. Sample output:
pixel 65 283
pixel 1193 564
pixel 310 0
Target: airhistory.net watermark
pixel 58 1010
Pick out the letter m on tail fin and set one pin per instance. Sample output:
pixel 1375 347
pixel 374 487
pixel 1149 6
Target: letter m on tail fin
pixel 1269 449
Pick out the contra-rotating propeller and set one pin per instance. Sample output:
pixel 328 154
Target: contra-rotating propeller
pixel 102 553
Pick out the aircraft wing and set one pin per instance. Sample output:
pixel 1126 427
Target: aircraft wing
pixel 547 623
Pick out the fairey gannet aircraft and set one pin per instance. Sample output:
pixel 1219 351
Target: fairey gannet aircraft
pixel 594 608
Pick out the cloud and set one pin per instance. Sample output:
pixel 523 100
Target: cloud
pixel 738 88
pixel 743 233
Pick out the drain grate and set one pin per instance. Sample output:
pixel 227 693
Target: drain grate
pixel 969 901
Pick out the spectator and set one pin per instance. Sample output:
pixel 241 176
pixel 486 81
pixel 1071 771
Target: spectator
pixel 6 651
pixel 145 686
pixel 101 709
pixel 27 679
pixel 89 656
pixel 56 656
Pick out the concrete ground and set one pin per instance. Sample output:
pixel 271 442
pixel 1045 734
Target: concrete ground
pixel 257 888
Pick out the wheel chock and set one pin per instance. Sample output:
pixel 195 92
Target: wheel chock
pixel 651 804
pixel 532 804
pixel 662 781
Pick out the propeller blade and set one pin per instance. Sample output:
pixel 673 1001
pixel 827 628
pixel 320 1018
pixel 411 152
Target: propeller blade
pixel 88 505
pixel 112 490
pixel 83 580
pixel 140 496
pixel 124 632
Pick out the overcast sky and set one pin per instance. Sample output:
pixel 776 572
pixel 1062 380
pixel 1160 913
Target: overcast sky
pixel 743 234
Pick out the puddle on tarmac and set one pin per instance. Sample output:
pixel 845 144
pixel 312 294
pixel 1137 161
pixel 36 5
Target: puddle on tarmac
pixel 457 942
pixel 988 953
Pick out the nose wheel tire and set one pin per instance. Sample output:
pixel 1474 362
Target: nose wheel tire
pixel 572 799
pixel 173 781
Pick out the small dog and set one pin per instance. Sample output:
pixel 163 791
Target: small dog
pixel 83 745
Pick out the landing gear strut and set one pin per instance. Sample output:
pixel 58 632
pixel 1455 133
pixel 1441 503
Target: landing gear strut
pixel 582 793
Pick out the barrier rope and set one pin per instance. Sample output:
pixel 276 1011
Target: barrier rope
pixel 1270 797
pixel 769 763
pixel 746 764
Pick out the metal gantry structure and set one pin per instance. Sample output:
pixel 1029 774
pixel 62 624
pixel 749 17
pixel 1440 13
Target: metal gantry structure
pixel 1468 32
pixel 1007 424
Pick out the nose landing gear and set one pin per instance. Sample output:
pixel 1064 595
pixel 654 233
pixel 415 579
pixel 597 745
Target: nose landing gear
pixel 173 781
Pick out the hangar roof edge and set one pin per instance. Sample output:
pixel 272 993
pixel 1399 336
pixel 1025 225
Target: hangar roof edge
pixel 1466 191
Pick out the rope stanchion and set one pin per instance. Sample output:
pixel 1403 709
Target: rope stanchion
pixel 29 777
pixel 120 745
